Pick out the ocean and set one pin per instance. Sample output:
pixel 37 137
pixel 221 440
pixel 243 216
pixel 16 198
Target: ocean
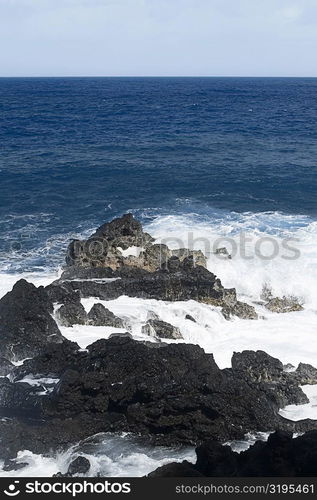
pixel 201 159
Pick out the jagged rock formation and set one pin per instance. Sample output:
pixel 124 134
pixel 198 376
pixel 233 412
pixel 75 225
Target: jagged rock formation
pixel 109 247
pixel 284 305
pixel 239 309
pixel 12 465
pixel 223 252
pixel 172 393
pixel 99 315
pixel 161 329
pixel 268 373
pixel 281 455
pixel 80 466
pixel 99 267
pixel 26 323
pixel 72 313
pixel 5 367
pixel 304 374
pixel 190 318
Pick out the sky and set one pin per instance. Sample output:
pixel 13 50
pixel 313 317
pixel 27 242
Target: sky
pixel 158 37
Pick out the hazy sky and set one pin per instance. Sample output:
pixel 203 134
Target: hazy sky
pixel 158 37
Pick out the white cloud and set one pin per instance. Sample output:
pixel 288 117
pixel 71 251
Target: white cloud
pixel 292 12
pixel 178 37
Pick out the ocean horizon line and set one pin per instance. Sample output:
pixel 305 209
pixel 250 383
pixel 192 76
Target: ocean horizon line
pixel 161 76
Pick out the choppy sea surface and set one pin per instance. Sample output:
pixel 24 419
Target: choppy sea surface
pixel 203 161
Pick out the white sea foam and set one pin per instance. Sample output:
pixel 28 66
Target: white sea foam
pixel 38 279
pixel 308 410
pixel 290 337
pixel 37 382
pixel 278 334
pixel 109 455
pixel 286 277
pixel 131 251
pixel 85 335
pixel 249 440
pixel 28 245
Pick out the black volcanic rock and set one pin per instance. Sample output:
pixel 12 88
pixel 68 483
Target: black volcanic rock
pixel 176 469
pixel 190 318
pixel 187 282
pixel 284 305
pixel 80 466
pixel 11 465
pixel 305 374
pixel 26 324
pixel 280 456
pixel 170 393
pixel 125 231
pixel 102 249
pixel 18 400
pixel 176 393
pixel 216 459
pixel 99 315
pixel 257 365
pixel 269 374
pixel 156 272
pixel 5 367
pixel 52 363
pixel 43 436
pixel 161 329
pixel 72 313
pixel 239 309
pixel 62 294
pixel 106 248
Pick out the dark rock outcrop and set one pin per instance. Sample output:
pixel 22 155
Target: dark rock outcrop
pixel 12 465
pixel 45 436
pixel 284 305
pixel 26 323
pixel 62 294
pixel 52 363
pixel 19 400
pixel 99 315
pixel 239 309
pixel 173 393
pixel 170 393
pixel 184 281
pixel 161 329
pixel 269 374
pixel 176 469
pixel 79 466
pixel 104 247
pixel 223 252
pixel 305 374
pixel 5 367
pixel 155 272
pixel 281 455
pixel 108 246
pixel 72 313
pixel 190 318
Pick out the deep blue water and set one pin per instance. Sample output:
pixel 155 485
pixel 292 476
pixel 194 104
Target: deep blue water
pixel 78 151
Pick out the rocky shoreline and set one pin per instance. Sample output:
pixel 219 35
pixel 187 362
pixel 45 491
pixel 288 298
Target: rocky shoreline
pixel 172 393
